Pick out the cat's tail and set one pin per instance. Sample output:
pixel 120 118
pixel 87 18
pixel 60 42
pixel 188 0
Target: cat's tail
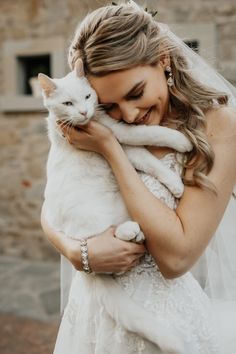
pixel 135 318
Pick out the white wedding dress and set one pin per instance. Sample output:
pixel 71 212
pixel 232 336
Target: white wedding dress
pixel 86 328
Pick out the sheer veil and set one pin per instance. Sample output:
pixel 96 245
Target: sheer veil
pixel 216 269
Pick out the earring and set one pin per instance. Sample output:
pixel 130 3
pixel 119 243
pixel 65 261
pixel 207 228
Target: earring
pixel 170 81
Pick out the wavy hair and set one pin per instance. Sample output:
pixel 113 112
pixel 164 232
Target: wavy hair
pixel 119 37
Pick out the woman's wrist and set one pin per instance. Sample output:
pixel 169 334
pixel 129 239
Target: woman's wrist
pixel 74 254
pixel 112 147
pixel 84 256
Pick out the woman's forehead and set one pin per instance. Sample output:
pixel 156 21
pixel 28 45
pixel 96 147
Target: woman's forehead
pixel 115 85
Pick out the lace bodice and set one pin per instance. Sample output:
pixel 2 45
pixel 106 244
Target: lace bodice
pixel 174 162
pixel 170 297
pixel 87 328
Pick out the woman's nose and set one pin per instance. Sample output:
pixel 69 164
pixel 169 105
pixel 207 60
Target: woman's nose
pixel 128 113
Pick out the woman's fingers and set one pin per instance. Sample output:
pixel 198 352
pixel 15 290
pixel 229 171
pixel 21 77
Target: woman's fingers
pixel 73 135
pixel 135 263
pixel 92 137
pixel 76 136
pixel 135 248
pixel 132 262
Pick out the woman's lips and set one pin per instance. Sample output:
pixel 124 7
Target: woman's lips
pixel 145 118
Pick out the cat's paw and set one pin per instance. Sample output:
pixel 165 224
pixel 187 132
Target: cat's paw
pixel 140 238
pixel 127 231
pixel 175 185
pixel 181 143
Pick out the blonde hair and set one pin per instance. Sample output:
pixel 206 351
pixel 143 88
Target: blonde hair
pixel 119 37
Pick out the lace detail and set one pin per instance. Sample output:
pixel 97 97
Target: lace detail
pixel 180 300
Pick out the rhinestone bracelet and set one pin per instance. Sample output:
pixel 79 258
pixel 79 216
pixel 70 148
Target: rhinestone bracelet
pixel 84 256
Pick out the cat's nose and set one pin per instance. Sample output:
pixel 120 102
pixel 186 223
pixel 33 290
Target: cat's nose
pixel 83 113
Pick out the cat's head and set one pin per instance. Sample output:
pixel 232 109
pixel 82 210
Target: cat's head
pixel 71 98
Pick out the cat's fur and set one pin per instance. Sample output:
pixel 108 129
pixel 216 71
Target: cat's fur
pixel 82 197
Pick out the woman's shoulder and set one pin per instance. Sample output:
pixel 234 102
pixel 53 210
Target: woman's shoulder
pixel 221 123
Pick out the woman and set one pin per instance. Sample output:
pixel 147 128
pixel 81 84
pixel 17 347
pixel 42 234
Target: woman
pixel 142 75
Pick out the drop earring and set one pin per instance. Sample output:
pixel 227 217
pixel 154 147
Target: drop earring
pixel 170 81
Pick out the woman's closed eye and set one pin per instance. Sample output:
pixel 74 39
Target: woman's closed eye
pixel 135 96
pixel 107 107
pixel 110 107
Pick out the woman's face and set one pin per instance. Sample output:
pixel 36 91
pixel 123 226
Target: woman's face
pixel 138 95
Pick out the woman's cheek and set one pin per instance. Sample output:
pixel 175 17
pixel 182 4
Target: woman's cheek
pixel 115 115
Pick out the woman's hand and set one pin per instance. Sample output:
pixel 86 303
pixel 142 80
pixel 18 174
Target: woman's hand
pixel 92 137
pixel 110 254
pixel 106 252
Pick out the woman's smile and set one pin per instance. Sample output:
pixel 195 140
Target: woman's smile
pixel 144 119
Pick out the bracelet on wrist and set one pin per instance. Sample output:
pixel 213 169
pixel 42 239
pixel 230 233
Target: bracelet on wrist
pixel 84 256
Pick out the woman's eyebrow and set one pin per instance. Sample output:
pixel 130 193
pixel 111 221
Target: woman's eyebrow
pixel 134 88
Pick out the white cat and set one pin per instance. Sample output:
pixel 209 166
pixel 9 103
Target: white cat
pixel 82 197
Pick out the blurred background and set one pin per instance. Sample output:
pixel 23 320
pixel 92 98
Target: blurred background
pixel 34 37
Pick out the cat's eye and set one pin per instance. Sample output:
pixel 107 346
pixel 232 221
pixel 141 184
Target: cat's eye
pixel 88 96
pixel 68 103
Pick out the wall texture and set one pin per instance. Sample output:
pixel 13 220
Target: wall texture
pixel 23 138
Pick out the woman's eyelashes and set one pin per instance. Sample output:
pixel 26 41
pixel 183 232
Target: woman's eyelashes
pixel 135 96
pixel 110 107
pixel 106 107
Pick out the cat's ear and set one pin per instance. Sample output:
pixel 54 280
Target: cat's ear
pixel 79 68
pixel 46 84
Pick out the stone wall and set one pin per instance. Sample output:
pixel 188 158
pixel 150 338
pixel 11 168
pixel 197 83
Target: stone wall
pixel 23 138
pixel 24 147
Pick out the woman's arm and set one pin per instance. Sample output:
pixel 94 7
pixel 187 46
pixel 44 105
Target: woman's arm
pixel 64 245
pixel 106 252
pixel 174 238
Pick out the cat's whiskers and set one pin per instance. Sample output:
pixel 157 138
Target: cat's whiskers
pixel 64 123
pixel 68 126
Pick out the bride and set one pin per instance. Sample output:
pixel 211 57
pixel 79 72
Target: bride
pixel 144 74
